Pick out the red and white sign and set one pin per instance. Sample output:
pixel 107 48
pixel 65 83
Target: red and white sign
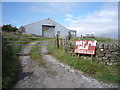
pixel 85 46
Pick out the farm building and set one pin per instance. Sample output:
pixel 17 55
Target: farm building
pixel 48 28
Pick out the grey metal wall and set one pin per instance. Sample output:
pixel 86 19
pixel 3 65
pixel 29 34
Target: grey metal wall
pixel 36 28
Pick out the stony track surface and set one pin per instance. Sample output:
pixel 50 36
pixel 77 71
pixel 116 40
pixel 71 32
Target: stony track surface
pixel 54 75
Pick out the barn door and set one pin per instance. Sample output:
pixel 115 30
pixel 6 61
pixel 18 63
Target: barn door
pixel 48 31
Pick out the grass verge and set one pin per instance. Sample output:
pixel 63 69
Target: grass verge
pixel 95 70
pixel 10 64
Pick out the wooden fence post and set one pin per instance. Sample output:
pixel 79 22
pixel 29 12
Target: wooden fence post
pixel 92 58
pixel 65 44
pixel 61 42
pixel 39 46
pixel 57 41
pixel 79 55
pixel 22 46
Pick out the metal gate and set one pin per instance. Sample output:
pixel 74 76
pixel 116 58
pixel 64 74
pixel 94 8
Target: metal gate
pixel 26 41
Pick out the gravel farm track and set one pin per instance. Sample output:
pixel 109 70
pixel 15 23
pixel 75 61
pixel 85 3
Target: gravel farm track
pixel 54 74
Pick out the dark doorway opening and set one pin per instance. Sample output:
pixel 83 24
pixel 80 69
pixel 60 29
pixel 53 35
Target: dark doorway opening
pixel 48 31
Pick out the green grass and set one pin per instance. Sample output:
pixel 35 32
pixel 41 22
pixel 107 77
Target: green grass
pixel 95 70
pixel 10 61
pixel 10 65
pixel 99 39
pixel 37 57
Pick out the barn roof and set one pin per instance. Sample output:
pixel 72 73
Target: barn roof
pixel 43 20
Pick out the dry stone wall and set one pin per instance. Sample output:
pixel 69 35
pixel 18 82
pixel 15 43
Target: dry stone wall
pixel 107 54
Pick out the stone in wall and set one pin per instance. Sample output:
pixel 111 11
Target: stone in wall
pixel 107 54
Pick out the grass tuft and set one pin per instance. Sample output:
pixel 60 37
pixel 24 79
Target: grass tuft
pixel 37 57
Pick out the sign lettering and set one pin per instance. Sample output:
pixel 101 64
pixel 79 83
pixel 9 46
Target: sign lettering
pixel 85 46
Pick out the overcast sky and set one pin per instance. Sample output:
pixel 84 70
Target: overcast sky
pixel 85 17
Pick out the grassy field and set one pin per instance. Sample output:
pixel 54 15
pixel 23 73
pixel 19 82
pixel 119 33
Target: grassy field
pixel 95 70
pixel 99 39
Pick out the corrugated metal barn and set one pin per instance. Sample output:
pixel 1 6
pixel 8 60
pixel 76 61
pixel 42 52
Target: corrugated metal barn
pixel 46 27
